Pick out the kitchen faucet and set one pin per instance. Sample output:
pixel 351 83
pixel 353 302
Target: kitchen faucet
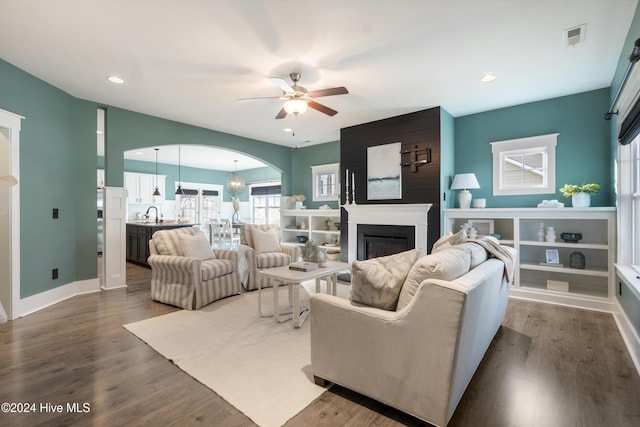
pixel 147 213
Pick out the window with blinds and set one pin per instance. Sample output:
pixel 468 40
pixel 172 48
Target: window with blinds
pixel 524 166
pixel 265 202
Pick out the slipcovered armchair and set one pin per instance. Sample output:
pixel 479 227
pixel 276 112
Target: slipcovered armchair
pixel 260 248
pixel 187 273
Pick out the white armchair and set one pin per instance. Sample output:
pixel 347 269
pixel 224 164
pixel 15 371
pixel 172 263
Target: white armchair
pixel 183 277
pixel 255 256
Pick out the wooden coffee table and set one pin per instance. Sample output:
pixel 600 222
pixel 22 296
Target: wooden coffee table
pixel 293 278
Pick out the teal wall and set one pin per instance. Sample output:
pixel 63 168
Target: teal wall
pixel 583 152
pixel 57 170
pixel 447 158
pixel 301 162
pixel 127 130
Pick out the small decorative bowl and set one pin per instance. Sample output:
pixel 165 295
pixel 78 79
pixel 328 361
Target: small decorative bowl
pixel 302 239
pixel 571 237
pixel 337 225
pixel 333 255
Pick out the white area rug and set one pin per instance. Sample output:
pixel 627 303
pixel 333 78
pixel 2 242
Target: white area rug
pixel 261 367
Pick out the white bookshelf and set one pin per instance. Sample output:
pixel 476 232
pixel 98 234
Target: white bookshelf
pixel 591 287
pixel 310 223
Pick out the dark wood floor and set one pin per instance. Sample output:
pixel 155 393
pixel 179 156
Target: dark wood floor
pixel 547 366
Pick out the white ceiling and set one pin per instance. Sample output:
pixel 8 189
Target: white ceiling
pixel 190 60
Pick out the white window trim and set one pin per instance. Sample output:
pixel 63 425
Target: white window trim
pixel 545 143
pixel 318 170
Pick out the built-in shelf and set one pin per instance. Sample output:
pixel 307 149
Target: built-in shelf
pixel 589 287
pixel 311 223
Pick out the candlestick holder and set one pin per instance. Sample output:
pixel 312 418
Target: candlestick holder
pixel 353 193
pixel 346 194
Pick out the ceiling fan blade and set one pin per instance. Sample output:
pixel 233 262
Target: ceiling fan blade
pixel 282 114
pixel 328 92
pixel 322 108
pixel 283 85
pixel 258 99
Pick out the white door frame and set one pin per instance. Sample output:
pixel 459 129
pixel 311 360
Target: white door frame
pixel 114 251
pixel 12 122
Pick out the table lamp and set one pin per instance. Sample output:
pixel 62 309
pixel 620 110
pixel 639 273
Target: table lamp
pixel 463 181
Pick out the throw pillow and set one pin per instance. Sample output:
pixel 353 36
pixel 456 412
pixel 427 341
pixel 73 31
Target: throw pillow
pixel 447 264
pixel 376 282
pixel 265 241
pixel 450 239
pixel 196 246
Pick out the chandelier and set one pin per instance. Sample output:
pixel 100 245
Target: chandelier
pixel 235 182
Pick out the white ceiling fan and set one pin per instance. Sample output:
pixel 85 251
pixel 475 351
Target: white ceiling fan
pixel 297 99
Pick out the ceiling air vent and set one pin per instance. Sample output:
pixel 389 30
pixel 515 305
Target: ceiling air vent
pixel 575 35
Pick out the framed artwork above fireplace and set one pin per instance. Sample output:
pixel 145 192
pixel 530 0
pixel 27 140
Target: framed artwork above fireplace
pixel 384 173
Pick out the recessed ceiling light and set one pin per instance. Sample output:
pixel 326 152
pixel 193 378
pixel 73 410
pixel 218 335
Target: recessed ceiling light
pixel 139 153
pixel 99 132
pixel 288 130
pixel 115 79
pixel 487 78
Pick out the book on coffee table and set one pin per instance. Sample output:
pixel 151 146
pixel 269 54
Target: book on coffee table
pixel 303 266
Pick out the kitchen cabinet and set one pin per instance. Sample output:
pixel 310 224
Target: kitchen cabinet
pixel 140 187
pixel 589 286
pixel 138 236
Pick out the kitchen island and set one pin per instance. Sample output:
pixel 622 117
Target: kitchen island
pixel 138 236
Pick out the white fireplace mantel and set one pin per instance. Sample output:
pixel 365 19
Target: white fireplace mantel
pixel 396 214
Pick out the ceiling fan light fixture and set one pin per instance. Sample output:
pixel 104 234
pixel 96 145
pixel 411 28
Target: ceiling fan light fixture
pixel 295 106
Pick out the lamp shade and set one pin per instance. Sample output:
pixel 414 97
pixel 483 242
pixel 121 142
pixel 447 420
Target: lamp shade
pixel 463 181
pixel 295 106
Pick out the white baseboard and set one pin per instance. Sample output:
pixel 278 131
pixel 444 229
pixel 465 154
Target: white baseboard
pixel 45 299
pixel 629 335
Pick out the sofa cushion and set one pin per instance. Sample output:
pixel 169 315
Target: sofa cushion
pixel 272 259
pixel 449 239
pixel 167 242
pixel 376 282
pixel 196 246
pixel 446 264
pixel 478 253
pixel 265 240
pixel 212 268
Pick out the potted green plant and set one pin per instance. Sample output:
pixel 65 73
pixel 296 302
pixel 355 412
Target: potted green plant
pixel 580 194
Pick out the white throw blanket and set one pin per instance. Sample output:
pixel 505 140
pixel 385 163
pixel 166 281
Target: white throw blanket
pixel 491 245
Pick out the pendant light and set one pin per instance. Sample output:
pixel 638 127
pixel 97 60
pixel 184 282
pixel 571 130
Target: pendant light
pixel 179 191
pixel 156 192
pixel 235 182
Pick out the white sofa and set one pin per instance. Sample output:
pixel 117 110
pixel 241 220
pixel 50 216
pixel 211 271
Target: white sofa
pixel 421 357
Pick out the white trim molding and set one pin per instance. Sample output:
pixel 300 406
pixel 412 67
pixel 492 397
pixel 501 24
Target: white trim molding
pixel 13 122
pixel 53 296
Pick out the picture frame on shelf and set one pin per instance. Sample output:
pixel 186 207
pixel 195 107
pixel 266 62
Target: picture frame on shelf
pixel 552 256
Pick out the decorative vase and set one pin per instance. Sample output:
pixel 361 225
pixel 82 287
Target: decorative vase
pixel 581 200
pixel 541 232
pixel 551 235
pixel 298 205
pixel 577 260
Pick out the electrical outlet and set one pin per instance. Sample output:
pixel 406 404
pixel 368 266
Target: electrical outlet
pixel 55 213
pixel 54 274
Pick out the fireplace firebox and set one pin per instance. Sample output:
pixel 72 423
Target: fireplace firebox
pixel 382 240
